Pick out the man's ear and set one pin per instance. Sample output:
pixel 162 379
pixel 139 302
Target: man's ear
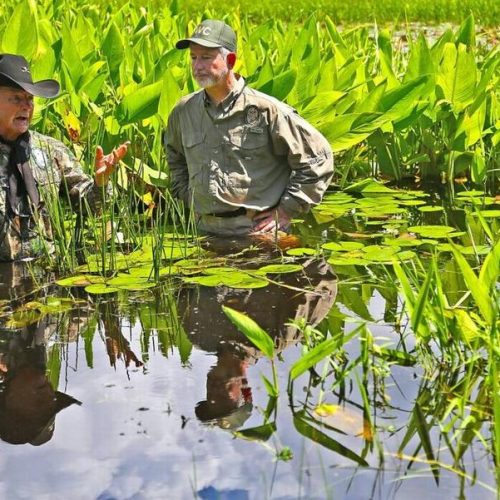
pixel 231 60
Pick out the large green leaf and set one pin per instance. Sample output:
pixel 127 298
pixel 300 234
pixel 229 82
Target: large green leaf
pixel 252 330
pixel 457 76
pixel 113 49
pixel 281 85
pixel 21 33
pixel 140 104
pixel 313 357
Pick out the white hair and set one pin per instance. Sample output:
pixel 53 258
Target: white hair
pixel 224 52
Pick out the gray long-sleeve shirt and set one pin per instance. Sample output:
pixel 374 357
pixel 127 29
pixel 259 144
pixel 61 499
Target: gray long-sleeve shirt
pixel 250 151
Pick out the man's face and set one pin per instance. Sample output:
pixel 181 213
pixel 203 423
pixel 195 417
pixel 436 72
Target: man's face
pixel 208 65
pixel 16 111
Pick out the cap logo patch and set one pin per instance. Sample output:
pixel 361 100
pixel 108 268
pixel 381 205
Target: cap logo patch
pixel 203 30
pixel 25 69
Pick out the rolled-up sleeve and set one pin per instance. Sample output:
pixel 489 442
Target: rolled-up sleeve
pixel 179 175
pixel 76 184
pixel 310 158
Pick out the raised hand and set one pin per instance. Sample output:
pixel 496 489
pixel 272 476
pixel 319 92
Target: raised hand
pixel 105 164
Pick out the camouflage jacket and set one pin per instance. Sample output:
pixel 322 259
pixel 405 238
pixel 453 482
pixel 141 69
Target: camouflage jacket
pixel 250 150
pixel 58 175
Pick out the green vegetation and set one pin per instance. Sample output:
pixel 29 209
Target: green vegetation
pixel 394 106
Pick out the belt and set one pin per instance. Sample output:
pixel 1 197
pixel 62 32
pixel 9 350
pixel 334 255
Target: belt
pixel 233 213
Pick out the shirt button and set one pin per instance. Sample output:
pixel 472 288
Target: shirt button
pixel 216 151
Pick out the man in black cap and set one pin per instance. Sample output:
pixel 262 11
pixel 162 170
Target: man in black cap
pixel 245 162
pixel 34 167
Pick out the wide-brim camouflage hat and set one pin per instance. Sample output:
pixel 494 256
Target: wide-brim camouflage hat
pixel 15 72
pixel 211 33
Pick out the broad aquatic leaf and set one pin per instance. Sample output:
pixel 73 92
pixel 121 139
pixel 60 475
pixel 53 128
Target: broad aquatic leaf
pixel 432 231
pixel 252 331
pixel 315 435
pixel 281 268
pixel 140 104
pixel 21 33
pixel 261 433
pixel 100 289
pixel 313 357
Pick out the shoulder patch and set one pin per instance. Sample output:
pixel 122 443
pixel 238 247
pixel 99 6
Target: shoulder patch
pixel 252 115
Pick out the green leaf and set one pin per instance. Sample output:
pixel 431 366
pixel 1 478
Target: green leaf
pixel 113 49
pixel 490 270
pixel 479 290
pixel 280 86
pixel 261 433
pixel 140 104
pixel 21 33
pixel 252 330
pixel 315 435
pixel 457 76
pixel 314 356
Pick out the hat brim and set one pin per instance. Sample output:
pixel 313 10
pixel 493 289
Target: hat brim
pixel 184 44
pixel 43 88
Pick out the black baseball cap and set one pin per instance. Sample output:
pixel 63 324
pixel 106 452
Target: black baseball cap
pixel 211 33
pixel 15 72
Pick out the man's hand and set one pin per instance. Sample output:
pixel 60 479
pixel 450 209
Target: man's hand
pixel 105 164
pixel 268 221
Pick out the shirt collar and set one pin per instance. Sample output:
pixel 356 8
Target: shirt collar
pixel 228 102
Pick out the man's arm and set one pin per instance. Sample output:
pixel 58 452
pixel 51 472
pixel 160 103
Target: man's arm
pixel 311 162
pixel 179 176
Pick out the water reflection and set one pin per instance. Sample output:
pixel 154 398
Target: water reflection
pixel 306 297
pixel 28 402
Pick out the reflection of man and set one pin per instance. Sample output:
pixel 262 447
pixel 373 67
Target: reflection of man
pixel 229 399
pixel 28 402
pixel 117 346
pixel 308 295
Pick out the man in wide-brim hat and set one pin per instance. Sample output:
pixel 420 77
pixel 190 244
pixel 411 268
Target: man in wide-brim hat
pixel 34 167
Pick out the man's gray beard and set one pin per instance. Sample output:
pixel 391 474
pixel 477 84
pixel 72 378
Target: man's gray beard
pixel 206 82
pixel 210 81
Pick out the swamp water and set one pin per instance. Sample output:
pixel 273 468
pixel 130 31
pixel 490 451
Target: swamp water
pixel 156 394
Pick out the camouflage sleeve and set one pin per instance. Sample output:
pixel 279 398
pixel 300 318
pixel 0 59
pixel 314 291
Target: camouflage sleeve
pixel 179 176
pixel 76 184
pixel 309 156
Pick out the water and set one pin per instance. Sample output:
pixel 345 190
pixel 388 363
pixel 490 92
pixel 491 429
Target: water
pixel 155 394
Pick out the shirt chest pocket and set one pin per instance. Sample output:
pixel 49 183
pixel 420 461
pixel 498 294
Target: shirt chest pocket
pixel 194 149
pixel 249 138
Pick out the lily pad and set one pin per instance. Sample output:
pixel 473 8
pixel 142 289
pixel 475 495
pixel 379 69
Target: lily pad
pixel 281 268
pixel 301 251
pixel 429 208
pixel 342 246
pixel 100 289
pixel 80 280
pixel 432 231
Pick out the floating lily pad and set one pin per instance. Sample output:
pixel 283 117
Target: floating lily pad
pixel 412 203
pixel 378 253
pixel 342 246
pixel 477 250
pixel 299 252
pixel 368 186
pixel 403 242
pixel 405 255
pixel 470 194
pixel 344 260
pixel 432 231
pixel 99 289
pixel 218 270
pixel 488 214
pixel 125 280
pixel 429 208
pixel 281 268
pixel 80 280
